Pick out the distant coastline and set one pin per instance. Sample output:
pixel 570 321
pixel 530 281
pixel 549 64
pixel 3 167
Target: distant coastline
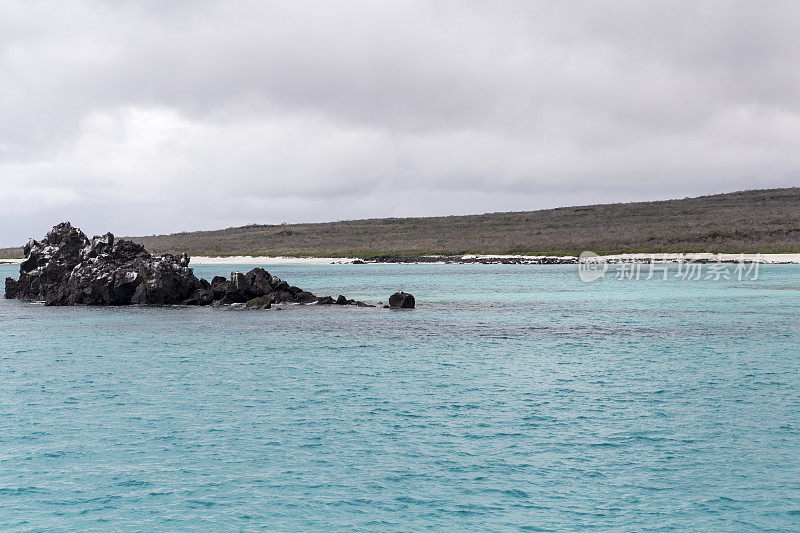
pixel 744 222
pixel 765 221
pixel 500 259
pixel 772 259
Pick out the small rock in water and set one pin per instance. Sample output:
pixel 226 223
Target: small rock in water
pixel 401 300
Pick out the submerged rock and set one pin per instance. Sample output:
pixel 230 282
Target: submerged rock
pixel 262 302
pixel 401 300
pixel 66 268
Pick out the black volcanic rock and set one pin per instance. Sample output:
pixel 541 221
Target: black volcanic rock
pixel 11 288
pixel 66 268
pixel 401 300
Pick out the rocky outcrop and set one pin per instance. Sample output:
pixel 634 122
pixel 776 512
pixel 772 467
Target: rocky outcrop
pixel 401 300
pixel 66 268
pixel 258 289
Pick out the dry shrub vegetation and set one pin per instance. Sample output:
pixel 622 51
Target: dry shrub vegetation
pixel 765 221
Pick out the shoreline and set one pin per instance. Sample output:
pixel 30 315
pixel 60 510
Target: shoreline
pixel 268 260
pixel 770 259
pixel 505 259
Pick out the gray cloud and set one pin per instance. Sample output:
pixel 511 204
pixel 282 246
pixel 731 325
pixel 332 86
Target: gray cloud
pixel 155 117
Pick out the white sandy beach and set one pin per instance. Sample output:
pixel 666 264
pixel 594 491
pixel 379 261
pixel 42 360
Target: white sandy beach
pixel 668 258
pixel 620 258
pixel 661 257
pixel 775 259
pixel 724 258
pixel 281 260
pixel 248 260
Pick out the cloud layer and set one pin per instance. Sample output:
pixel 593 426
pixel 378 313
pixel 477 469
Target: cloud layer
pixel 157 117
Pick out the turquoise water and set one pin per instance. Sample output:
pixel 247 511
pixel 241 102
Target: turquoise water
pixel 513 398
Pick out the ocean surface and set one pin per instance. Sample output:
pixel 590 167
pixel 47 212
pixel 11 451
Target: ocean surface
pixel 514 398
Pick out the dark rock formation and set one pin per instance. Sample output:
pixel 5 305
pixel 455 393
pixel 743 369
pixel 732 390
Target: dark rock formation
pixel 11 288
pixel 66 268
pixel 401 300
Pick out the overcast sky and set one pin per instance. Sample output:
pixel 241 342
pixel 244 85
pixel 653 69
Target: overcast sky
pixel 156 117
